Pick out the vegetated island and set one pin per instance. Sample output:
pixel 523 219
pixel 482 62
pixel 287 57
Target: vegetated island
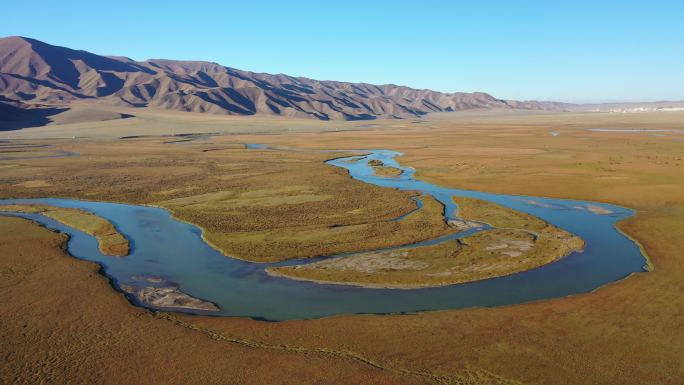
pixel 287 243
pixel 380 169
pixel 517 242
pixel 110 241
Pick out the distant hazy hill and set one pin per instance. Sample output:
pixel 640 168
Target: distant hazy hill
pixel 35 73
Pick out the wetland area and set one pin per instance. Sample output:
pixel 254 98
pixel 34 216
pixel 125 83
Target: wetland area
pixel 209 218
pixel 184 263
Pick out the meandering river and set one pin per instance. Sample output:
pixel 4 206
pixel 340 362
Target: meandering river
pixel 164 247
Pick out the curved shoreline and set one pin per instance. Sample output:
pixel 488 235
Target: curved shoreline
pixel 342 299
pixel 649 262
pixel 366 285
pixel 650 265
pixel 358 153
pixel 502 255
pixel 110 240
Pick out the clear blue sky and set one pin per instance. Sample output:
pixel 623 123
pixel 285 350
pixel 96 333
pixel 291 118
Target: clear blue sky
pixel 552 50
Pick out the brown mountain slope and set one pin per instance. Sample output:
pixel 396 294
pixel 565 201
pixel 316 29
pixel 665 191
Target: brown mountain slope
pixel 36 73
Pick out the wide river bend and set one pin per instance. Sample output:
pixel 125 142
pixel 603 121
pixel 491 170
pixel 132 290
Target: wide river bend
pixel 164 247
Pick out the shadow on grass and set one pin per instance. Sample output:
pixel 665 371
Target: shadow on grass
pixel 15 118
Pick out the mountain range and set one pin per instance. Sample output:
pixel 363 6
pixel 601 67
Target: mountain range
pixel 34 74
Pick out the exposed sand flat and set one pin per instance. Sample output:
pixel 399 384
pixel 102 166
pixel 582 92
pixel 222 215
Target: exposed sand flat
pixel 599 210
pixel 169 297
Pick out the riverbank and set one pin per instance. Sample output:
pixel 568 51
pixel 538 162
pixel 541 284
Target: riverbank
pixel 487 261
pixel 303 207
pixel 79 330
pixel 110 240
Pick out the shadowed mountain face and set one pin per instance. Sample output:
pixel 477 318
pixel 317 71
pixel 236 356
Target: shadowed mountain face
pixel 36 73
pixel 13 117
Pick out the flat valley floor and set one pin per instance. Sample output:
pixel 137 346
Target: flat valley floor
pixel 62 322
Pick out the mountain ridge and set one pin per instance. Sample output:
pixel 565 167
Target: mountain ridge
pixel 34 73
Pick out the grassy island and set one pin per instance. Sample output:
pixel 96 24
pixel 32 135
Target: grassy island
pixel 518 242
pixel 308 241
pixel 380 169
pixel 110 241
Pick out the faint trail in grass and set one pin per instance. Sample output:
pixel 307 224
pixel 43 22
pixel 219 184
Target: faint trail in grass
pixel 473 376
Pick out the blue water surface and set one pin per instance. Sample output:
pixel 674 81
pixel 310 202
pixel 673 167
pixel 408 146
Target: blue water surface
pixel 165 247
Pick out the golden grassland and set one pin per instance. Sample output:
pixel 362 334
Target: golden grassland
pixel 624 333
pixel 257 205
pixel 61 323
pixel 110 240
pixel 519 242
pixel 287 241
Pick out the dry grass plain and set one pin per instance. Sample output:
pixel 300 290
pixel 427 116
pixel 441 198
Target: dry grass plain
pixel 628 332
